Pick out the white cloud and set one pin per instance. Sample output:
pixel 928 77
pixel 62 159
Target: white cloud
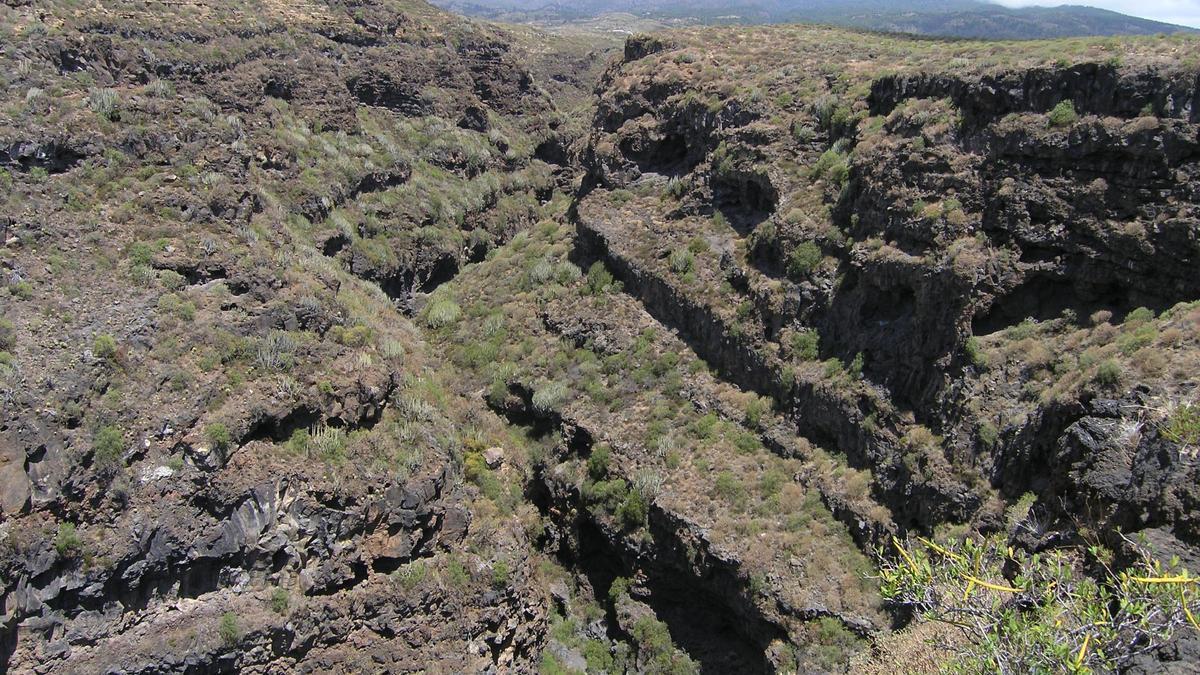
pixel 1183 12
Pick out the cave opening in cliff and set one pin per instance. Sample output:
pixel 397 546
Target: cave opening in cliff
pixel 1043 298
pixel 668 156
pixel 744 201
pixel 700 624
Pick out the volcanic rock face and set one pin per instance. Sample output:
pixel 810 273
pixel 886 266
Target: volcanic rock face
pixel 328 343
pixel 942 237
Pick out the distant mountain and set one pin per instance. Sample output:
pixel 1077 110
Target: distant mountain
pixel 957 18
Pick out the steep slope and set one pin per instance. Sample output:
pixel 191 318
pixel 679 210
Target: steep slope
pixel 219 450
pixel 956 271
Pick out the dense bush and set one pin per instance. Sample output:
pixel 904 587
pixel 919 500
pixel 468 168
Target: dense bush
pixel 229 630
pixel 67 541
pixel 104 347
pixel 832 164
pixel 803 260
pixel 600 280
pixel 805 345
pixel 1025 612
pixel 1108 373
pixel 107 447
pixel 1063 114
pixel 218 435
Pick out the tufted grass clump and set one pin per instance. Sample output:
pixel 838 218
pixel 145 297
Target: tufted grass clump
pixel 549 397
pixel 275 351
pixel 105 103
pixel 1182 425
pixel 8 335
pixel 442 313
pixel 682 261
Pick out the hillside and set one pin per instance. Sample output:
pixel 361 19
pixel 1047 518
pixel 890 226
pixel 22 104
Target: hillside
pixel 951 18
pixel 359 336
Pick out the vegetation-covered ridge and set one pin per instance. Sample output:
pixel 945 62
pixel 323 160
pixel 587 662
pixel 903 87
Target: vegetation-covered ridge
pixel 951 18
pixel 345 336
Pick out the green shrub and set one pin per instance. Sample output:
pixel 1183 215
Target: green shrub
pixel 500 574
pixel 228 629
pixel 355 336
pixel 22 290
pixel 104 347
pixel 67 541
pixel 218 435
pixel 703 427
pixel 657 653
pixel 175 305
pixel 1140 337
pixel 832 165
pixel 1108 373
pixel 107 447
pixel 634 511
pixel 279 600
pixel 856 366
pixel 597 463
pixel 411 575
pixel 806 345
pixel 456 574
pixel 1063 114
pixel 600 280
pixel 598 656
pixel 803 260
pixel 975 352
pixel 8 335
pixel 746 442
pixel 729 488
pixel 1139 316
pixel 755 410
pixel 988 434
pixel 833 643
pixel 1038 613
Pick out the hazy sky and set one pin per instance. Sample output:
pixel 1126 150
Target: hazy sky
pixel 1186 12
